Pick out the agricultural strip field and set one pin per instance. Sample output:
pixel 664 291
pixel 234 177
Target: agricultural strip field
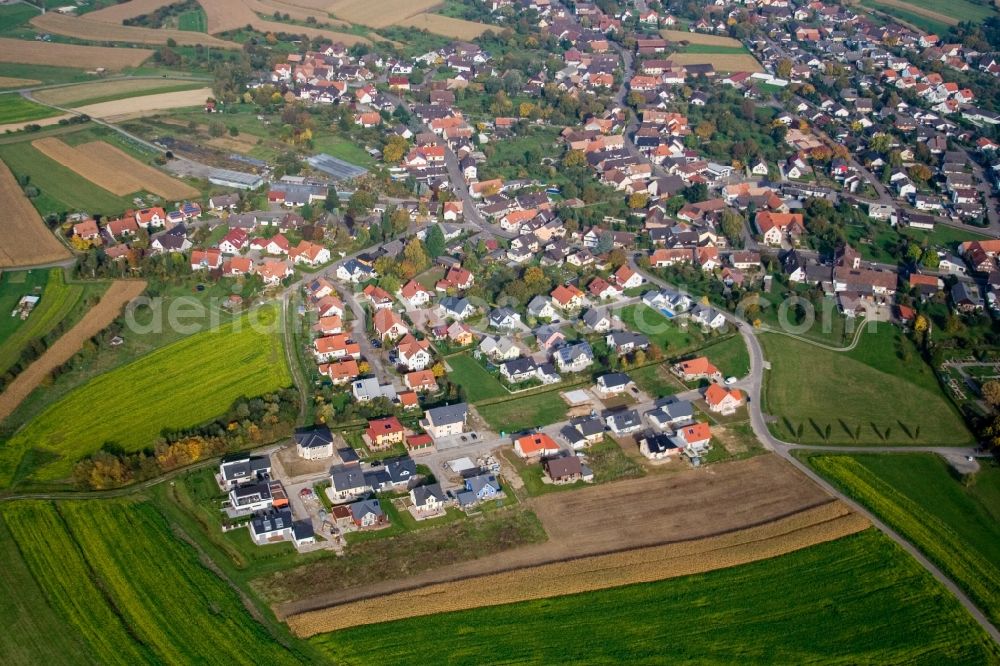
pixel 117 586
pixel 946 12
pixel 96 320
pixel 87 166
pixel 16 109
pixel 808 392
pixel 389 12
pixel 70 55
pixel 61 190
pixel 110 90
pixel 807 528
pixel 177 386
pixel 146 104
pixel 59 303
pixel 225 15
pixel 699 38
pixel 650 511
pixel 115 14
pixel 113 170
pixel 722 62
pixel 956 524
pixel 25 240
pixel 445 26
pixel 83 28
pixel 13 82
pixel 298 10
pixel 859 599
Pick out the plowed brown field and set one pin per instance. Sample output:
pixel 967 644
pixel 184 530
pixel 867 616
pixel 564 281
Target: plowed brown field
pixel 70 55
pixel 96 320
pixel 114 181
pixel 151 179
pixel 226 15
pixel 24 238
pixel 650 511
pixel 807 528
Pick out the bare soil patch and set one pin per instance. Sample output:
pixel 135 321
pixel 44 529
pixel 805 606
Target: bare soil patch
pixel 25 240
pixel 96 320
pixel 806 528
pixel 70 55
pixel 698 38
pixel 650 511
pixel 722 62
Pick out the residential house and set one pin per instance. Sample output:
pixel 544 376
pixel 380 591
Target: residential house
pixel 697 368
pixel 536 445
pixel 389 325
pixel 575 357
pixel 445 421
pixel 314 442
pixel 383 433
pixel 723 400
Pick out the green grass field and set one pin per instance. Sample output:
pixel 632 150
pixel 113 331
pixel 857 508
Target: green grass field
pixel 193 20
pixel 867 396
pixel 118 587
pixel 61 302
pixel 925 23
pixel 714 48
pixel 181 385
pixel 730 356
pixel 175 87
pixel 656 380
pixel 661 331
pixel 955 524
pixel 963 10
pixel 61 189
pixel 14 285
pixel 859 599
pixel 16 109
pixel 14 16
pixel 44 73
pixel 473 378
pixel 536 409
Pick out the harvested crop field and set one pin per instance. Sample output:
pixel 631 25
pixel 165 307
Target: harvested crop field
pixel 722 62
pixel 224 15
pixel 445 25
pixel 698 38
pixel 117 13
pixel 25 240
pixel 113 170
pixel 615 516
pixel 299 10
pixel 387 12
pixel 149 178
pixel 806 528
pixel 110 306
pixel 93 90
pixel 70 55
pixel 12 82
pixel 84 28
pixel 146 104
pixel 41 122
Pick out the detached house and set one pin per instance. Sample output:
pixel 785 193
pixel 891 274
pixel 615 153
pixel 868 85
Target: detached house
pixel 388 324
pixel 778 227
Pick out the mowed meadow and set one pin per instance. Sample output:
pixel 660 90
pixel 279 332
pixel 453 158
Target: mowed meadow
pixel 177 386
pixel 859 599
pixel 109 582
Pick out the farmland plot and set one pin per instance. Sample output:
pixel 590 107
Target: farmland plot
pixel 117 182
pixel 722 62
pixel 146 104
pixel 181 385
pixel 388 12
pixel 224 15
pixel 824 523
pixel 122 588
pixel 81 92
pixel 445 25
pixel 83 28
pixel 70 55
pixel 699 38
pixel 25 240
pixel 150 179
pixel 115 14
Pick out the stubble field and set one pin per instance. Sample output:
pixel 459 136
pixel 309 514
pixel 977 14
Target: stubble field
pixel 70 55
pixel 83 28
pixel 26 240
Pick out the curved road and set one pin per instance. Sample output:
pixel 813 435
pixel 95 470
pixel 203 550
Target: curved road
pixel 753 385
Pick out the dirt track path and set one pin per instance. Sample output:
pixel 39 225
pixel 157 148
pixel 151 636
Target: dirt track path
pixel 96 320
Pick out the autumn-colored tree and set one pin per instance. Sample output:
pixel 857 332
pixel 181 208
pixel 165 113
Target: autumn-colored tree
pixel 638 200
pixel 575 158
pixel 920 172
pixel 784 68
pixel 705 130
pixel 991 393
pixel 394 150
pixel 438 369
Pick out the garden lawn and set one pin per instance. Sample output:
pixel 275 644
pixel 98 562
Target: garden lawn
pixel 892 401
pixel 859 599
pixel 477 383
pixel 661 331
pixel 61 190
pixel 536 409
pixel 656 380
pixel 193 20
pixel 181 385
pixel 128 590
pixel 16 109
pixel 955 523
pixel 14 285
pixel 730 356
